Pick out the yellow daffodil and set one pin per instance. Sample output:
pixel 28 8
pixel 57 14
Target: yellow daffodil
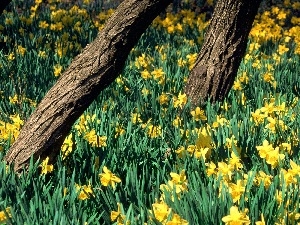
pixel 118 216
pixel 211 168
pixel 67 146
pixel 274 157
pixel 264 178
pixel 136 118
pixel 145 74
pixel 3 214
pixel 236 217
pixel 264 149
pixel 161 211
pixel 262 222
pixel 237 190
pixel 154 131
pixel 177 220
pixel 180 101
pixel 57 70
pixel 46 168
pixel 94 139
pixel 163 99
pixel 158 74
pixel 85 191
pixel 107 178
pixel 198 114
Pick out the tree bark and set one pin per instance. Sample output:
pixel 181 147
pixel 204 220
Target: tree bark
pixel 222 51
pixel 89 73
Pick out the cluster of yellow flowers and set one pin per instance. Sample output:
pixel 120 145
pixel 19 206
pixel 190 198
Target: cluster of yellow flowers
pixel 272 155
pixel 238 188
pixel 203 146
pixel 273 113
pixel 269 26
pixel 178 183
pixel 160 210
pixel 118 216
pixel 165 215
pixel 10 131
pixel 61 22
pixel 107 178
pixel 236 217
pixel 45 167
pixel 278 24
pixel 4 214
pixel 68 145
pixel 179 23
pixel 88 133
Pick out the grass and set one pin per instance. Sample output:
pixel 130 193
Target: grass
pixel 235 161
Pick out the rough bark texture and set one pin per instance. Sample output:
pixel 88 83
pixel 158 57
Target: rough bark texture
pixel 222 51
pixel 89 73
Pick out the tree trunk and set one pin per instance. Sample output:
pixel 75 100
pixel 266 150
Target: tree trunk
pixel 222 51
pixel 89 73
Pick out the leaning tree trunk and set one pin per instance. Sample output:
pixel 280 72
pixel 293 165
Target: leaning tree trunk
pixel 222 51
pixel 89 73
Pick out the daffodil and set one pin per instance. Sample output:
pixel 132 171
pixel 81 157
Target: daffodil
pixel 158 74
pixel 136 118
pixel 154 131
pixel 85 191
pixel 198 114
pixel 236 217
pixel 295 168
pixel 3 215
pixel 46 168
pixel 264 149
pixel 211 168
pixel 107 178
pixel 163 99
pixel 118 216
pixel 180 101
pixel 57 70
pixel 67 146
pixel 274 157
pixel 177 220
pixel 262 177
pixel 262 222
pixel 237 190
pixel 94 139
pixel 161 211
pixel 177 122
pixel 146 74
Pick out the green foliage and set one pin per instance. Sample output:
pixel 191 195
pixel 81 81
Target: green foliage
pixel 130 127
